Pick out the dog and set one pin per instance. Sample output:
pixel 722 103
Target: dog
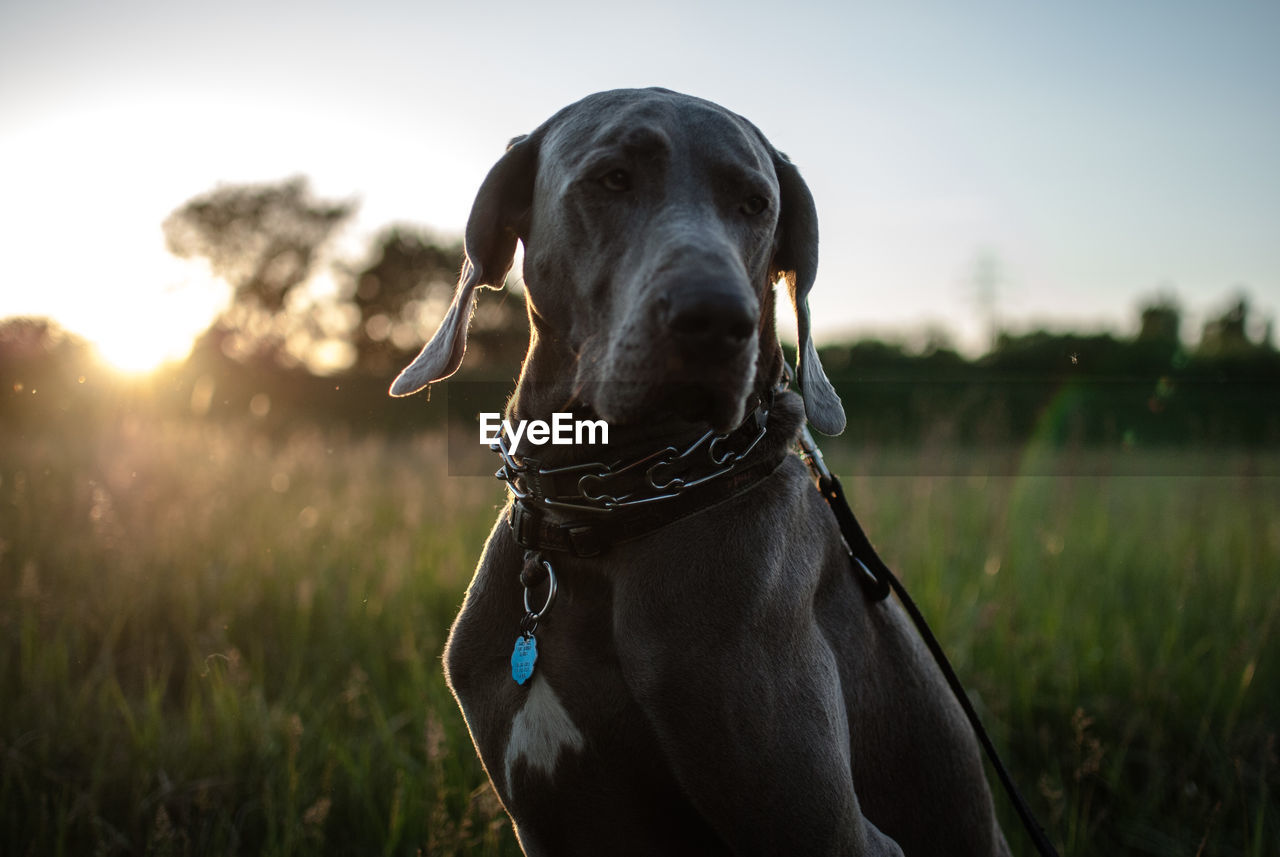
pixel 711 680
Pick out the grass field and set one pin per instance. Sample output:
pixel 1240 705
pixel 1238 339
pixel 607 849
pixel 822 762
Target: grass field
pixel 215 642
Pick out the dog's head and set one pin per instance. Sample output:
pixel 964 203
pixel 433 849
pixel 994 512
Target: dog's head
pixel 655 226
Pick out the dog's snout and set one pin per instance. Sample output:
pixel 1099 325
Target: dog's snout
pixel 710 322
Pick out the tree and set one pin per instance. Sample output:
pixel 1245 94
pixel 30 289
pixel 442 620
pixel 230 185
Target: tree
pixel 47 375
pixel 1228 334
pixel 1160 320
pixel 401 294
pixel 268 242
pixel 409 274
pixel 265 240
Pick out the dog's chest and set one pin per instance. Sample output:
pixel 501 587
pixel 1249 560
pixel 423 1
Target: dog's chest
pixel 548 730
pixel 541 732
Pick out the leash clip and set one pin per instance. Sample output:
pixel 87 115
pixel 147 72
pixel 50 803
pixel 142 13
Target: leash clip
pixel 813 458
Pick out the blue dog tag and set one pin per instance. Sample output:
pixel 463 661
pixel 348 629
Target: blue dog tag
pixel 523 657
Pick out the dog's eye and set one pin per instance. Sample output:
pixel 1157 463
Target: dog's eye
pixel 616 180
pixel 754 205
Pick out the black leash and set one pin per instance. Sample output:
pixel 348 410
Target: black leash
pixel 877 579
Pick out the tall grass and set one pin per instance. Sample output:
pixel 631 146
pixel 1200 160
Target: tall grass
pixel 218 644
pixel 1119 632
pixel 213 641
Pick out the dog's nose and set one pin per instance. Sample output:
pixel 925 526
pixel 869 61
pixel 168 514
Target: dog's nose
pixel 710 322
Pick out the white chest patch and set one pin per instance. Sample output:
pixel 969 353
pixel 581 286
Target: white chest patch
pixel 540 731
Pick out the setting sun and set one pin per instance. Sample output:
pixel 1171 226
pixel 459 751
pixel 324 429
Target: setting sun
pixel 136 328
pixel 129 352
pixel 98 267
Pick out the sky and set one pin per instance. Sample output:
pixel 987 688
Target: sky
pixel 1100 152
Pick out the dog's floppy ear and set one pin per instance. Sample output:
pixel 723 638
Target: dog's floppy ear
pixel 496 222
pixel 796 259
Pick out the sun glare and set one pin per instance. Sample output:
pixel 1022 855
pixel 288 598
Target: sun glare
pixel 137 354
pixel 90 253
pixel 144 327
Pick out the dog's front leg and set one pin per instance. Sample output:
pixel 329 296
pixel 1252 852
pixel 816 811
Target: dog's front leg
pixel 755 730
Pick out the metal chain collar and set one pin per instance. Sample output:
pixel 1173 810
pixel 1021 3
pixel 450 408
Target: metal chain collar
pixel 664 473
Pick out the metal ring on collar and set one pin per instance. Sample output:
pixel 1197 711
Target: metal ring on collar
pixel 551 594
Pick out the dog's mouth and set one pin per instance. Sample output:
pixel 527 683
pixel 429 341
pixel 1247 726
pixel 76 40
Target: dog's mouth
pixel 689 404
pixel 715 396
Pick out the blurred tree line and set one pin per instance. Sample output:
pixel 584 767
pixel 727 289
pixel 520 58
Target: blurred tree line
pixel 1071 388
pixel 308 339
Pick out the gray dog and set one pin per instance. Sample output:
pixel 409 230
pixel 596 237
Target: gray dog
pixel 712 679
